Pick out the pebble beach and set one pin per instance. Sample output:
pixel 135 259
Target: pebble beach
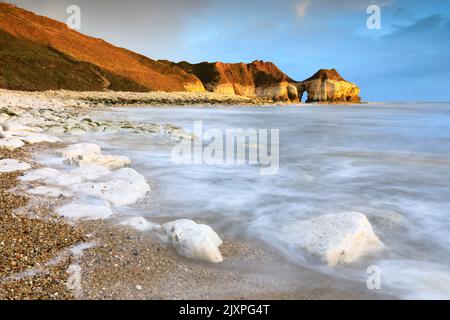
pixel 56 247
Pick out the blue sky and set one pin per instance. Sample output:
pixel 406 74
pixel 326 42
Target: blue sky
pixel 406 60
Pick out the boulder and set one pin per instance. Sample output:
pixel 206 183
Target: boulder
pixel 79 151
pixel 64 180
pixel 84 154
pixel 107 161
pixel 87 211
pixel 334 238
pixel 192 240
pixel 91 172
pixel 42 174
pixel 33 138
pixel 140 224
pixel 12 165
pixel 51 192
pixel 11 143
pixel 122 187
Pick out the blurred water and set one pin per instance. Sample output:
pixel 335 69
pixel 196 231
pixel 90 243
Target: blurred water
pixel 387 161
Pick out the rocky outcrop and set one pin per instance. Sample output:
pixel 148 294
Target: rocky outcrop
pixel 258 79
pixel 328 86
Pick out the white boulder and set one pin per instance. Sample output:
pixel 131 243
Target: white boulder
pixel 15 126
pixel 42 174
pixel 87 211
pixel 192 240
pixel 33 138
pixel 91 172
pixel 140 224
pixel 83 154
pixel 12 165
pixel 334 238
pixel 108 161
pixel 11 143
pixel 122 187
pixel 51 192
pixel 79 151
pixel 64 180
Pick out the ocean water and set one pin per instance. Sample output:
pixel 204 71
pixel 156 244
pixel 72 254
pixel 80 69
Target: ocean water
pixel 388 161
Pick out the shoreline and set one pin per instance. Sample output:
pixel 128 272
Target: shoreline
pixel 119 262
pixel 97 99
pixel 98 259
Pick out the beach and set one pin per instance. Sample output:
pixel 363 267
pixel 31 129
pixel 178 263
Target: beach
pixel 89 198
pixel 46 256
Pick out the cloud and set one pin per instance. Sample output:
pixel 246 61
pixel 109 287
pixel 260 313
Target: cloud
pixel 301 7
pixel 434 22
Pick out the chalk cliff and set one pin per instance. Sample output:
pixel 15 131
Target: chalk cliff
pixel 328 86
pixel 258 79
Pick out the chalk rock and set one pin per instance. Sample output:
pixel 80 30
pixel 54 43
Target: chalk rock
pixel 192 240
pixel 335 238
pixel 83 154
pixel 79 151
pixel 12 165
pixel 123 187
pixel 11 143
pixel 56 130
pixel 97 211
pixel 64 180
pixel 91 172
pixel 140 224
pixel 51 192
pixel 33 138
pixel 40 174
pixel 108 161
pixel 14 126
pixel 327 85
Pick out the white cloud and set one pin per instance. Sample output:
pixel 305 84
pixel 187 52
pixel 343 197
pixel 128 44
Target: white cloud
pixel 301 7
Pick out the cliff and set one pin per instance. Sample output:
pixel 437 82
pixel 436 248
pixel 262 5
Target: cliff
pixel 110 61
pixel 258 79
pixel 328 86
pixel 38 53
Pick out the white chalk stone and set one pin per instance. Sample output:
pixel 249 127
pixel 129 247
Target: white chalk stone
pixel 334 238
pixel 51 192
pixel 83 154
pixel 107 161
pixel 79 151
pixel 33 138
pixel 40 174
pixel 64 180
pixel 122 187
pixel 12 165
pixel 19 127
pixel 97 211
pixel 140 224
pixel 91 172
pixel 192 240
pixel 11 143
pixel 56 130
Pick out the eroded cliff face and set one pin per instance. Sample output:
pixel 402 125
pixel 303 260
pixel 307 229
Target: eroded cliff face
pixel 57 45
pixel 258 79
pixel 328 86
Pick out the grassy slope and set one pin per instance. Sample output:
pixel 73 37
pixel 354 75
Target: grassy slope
pixel 26 65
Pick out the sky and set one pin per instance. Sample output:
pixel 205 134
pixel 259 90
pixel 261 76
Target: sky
pixel 407 59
